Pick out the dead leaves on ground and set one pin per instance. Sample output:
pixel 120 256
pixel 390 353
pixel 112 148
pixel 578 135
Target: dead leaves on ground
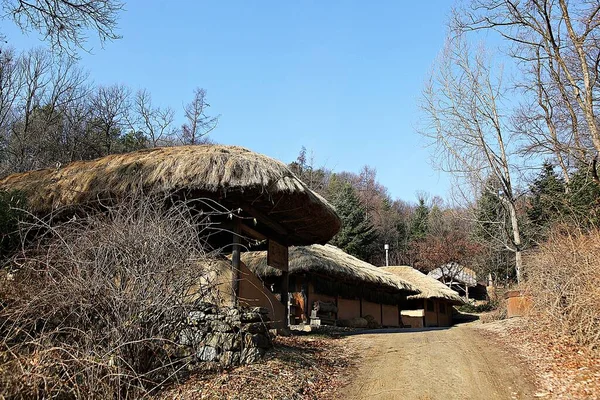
pixel 299 367
pixel 563 369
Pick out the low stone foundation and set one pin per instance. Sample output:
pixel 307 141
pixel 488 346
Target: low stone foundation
pixel 225 335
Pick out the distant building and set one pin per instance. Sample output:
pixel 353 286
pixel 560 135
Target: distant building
pixel 461 279
pixel 430 308
pixel 326 276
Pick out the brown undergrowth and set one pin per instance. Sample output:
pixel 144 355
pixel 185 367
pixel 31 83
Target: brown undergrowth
pixel 564 284
pixel 563 369
pixel 93 306
pixel 299 367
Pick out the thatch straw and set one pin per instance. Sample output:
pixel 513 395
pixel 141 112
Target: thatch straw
pixel 230 174
pixel 429 287
pixel 458 273
pixel 331 262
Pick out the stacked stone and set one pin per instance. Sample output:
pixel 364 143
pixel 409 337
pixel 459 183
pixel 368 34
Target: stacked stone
pixel 226 335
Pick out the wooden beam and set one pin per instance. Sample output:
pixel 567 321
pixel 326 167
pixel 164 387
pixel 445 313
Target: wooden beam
pixel 264 219
pixel 253 233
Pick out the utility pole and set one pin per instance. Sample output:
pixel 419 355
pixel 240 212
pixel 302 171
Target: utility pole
pixel 387 251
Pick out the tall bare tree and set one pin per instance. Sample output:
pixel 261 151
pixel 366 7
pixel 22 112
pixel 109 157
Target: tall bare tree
pixel 65 23
pixel 466 122
pixel 110 108
pixel 198 124
pixel 156 123
pixel 563 38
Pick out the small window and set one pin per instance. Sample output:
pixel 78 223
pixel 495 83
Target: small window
pixel 442 308
pixel 430 306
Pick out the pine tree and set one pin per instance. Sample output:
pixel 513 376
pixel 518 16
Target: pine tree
pixel 492 231
pixel 584 199
pixel 420 223
pixel 357 235
pixel 547 202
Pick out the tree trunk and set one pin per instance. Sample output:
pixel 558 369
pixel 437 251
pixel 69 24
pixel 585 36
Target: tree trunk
pixel 516 239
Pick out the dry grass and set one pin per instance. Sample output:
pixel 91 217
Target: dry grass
pixel 301 367
pixel 92 308
pixel 563 369
pixel 563 279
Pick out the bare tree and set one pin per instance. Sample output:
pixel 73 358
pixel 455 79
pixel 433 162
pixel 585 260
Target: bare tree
pixel 465 122
pixel 547 121
pixel 65 23
pixel 562 37
pixel 34 69
pixel 197 124
pixel 110 110
pixel 155 123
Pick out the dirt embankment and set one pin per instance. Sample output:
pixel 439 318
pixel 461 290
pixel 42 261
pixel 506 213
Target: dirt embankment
pixel 455 363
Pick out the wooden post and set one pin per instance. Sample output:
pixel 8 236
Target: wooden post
pixel 360 299
pixel 235 260
pixel 277 257
pixel 285 289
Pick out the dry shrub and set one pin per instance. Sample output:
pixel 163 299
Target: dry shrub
pixel 564 281
pixel 498 313
pixel 92 309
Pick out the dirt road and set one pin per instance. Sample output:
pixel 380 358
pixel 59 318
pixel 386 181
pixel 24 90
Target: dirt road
pixel 440 364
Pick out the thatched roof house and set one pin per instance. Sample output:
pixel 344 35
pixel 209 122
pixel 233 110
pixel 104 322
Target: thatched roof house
pixel 328 274
pixel 282 206
pixel 460 279
pixel 328 261
pixel 258 199
pixel 432 306
pixel 428 287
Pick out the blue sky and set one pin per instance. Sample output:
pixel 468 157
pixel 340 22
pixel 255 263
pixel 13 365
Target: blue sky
pixel 341 78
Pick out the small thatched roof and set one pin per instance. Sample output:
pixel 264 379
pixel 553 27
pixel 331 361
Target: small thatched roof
pixel 455 272
pixel 234 176
pixel 429 287
pixel 331 262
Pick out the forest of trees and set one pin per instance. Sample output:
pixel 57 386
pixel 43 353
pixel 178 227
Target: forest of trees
pixel 523 149
pixel 432 232
pixel 51 114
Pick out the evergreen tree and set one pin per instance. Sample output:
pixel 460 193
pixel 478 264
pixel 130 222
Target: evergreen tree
pixel 420 224
pixel 547 201
pixel 356 235
pixel 492 231
pixel 584 199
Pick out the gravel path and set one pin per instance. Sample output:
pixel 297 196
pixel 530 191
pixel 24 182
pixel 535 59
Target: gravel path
pixel 436 364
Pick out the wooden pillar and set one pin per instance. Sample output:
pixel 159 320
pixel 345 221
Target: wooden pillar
pixel 285 290
pixel 277 257
pixel 235 260
pixel 360 299
pixel 381 312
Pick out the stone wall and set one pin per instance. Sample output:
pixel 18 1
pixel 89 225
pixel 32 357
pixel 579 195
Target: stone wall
pixel 225 335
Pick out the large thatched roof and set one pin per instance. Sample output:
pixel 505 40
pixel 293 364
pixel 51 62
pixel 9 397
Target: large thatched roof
pixel 234 176
pixel 331 262
pixel 429 287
